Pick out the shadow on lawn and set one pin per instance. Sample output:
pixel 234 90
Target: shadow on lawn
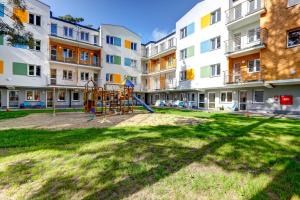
pixel 253 151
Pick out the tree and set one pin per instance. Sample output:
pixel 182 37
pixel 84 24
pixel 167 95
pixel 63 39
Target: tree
pixel 72 19
pixel 16 33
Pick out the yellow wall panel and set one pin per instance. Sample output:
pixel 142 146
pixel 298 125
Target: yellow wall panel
pixel 1 67
pixel 22 14
pixel 127 44
pixel 117 78
pixel 190 74
pixel 205 21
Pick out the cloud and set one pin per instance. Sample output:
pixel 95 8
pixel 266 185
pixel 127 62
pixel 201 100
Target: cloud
pixel 158 34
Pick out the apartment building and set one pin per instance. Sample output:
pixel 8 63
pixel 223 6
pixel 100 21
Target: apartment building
pixel 24 70
pixel 235 54
pixel 158 69
pixel 75 57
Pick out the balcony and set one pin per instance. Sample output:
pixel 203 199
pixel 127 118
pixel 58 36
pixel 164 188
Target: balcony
pixel 245 12
pixel 74 60
pixel 242 77
pixel 246 44
pixel 163 49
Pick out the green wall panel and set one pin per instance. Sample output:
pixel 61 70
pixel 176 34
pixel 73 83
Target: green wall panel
pixel 205 72
pixel 1 39
pixel 20 69
pixel 117 60
pixel 190 51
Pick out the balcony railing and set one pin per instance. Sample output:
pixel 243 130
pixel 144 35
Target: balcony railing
pixel 243 42
pixel 244 9
pixel 163 47
pixel 74 60
pixel 242 77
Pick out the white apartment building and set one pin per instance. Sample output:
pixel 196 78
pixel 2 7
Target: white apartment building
pixel 25 70
pixel 222 55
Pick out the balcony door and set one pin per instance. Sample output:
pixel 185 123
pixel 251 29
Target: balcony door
pixel 243 100
pixel 53 77
pixel 13 99
pixel 49 99
pixel 236 72
pixel 237 40
pixel 211 100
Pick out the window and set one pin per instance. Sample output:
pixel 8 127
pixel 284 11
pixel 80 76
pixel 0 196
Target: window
pixel 226 97
pixel 96 39
pixel 182 75
pixel 294 38
pixel 253 35
pixel 133 63
pixel 84 36
pixel 215 43
pixel 53 29
pixel 68 32
pixel 110 59
pixel 113 40
pixel 33 95
pixel 61 95
pixel 34 19
pixel 67 75
pixel 201 100
pixel 215 70
pixel 36 45
pixel 34 70
pixel 110 78
pixel 293 2
pixel 183 32
pixel 84 56
pixel 258 96
pixel 75 96
pixel 215 16
pixel 96 76
pixel 134 46
pixel 132 79
pixel 84 76
pixel 183 54
pixel 170 43
pixel 254 66
pixel 68 53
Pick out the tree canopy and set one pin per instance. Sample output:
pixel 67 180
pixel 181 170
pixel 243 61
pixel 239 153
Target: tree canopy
pixel 72 19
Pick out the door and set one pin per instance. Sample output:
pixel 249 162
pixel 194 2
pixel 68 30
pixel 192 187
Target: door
pixel 237 39
pixel 211 100
pixel 243 100
pixel 236 72
pixel 201 100
pixel 13 99
pixel 53 77
pixel 49 99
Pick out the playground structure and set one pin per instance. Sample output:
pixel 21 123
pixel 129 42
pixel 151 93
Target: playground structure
pixel 105 101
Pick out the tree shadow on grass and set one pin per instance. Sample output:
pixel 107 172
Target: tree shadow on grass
pixel 140 159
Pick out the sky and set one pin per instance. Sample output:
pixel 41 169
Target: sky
pixel 151 19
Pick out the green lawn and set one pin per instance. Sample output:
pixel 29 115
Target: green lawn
pixel 230 157
pixel 23 113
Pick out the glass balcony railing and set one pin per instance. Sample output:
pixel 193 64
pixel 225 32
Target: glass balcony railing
pixel 243 10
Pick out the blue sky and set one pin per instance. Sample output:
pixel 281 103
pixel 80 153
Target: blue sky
pixel 152 19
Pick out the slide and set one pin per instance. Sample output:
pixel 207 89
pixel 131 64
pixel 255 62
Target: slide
pixel 143 104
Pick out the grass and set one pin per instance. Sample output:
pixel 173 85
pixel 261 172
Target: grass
pixel 23 113
pixel 230 157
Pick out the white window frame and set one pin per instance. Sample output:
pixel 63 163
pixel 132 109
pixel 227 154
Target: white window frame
pixel 256 37
pixel 215 67
pixel 67 75
pixel 183 32
pixel 86 36
pixel 133 63
pixel 84 56
pixel 257 102
pixel 183 54
pixel 34 18
pixel 86 76
pixel 68 32
pixel 34 47
pixel 58 94
pixel 33 95
pixel 35 67
pixel 291 46
pixel 201 102
pixel 73 96
pixel 254 67
pixel 226 96
pixel 215 43
pixel 217 16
